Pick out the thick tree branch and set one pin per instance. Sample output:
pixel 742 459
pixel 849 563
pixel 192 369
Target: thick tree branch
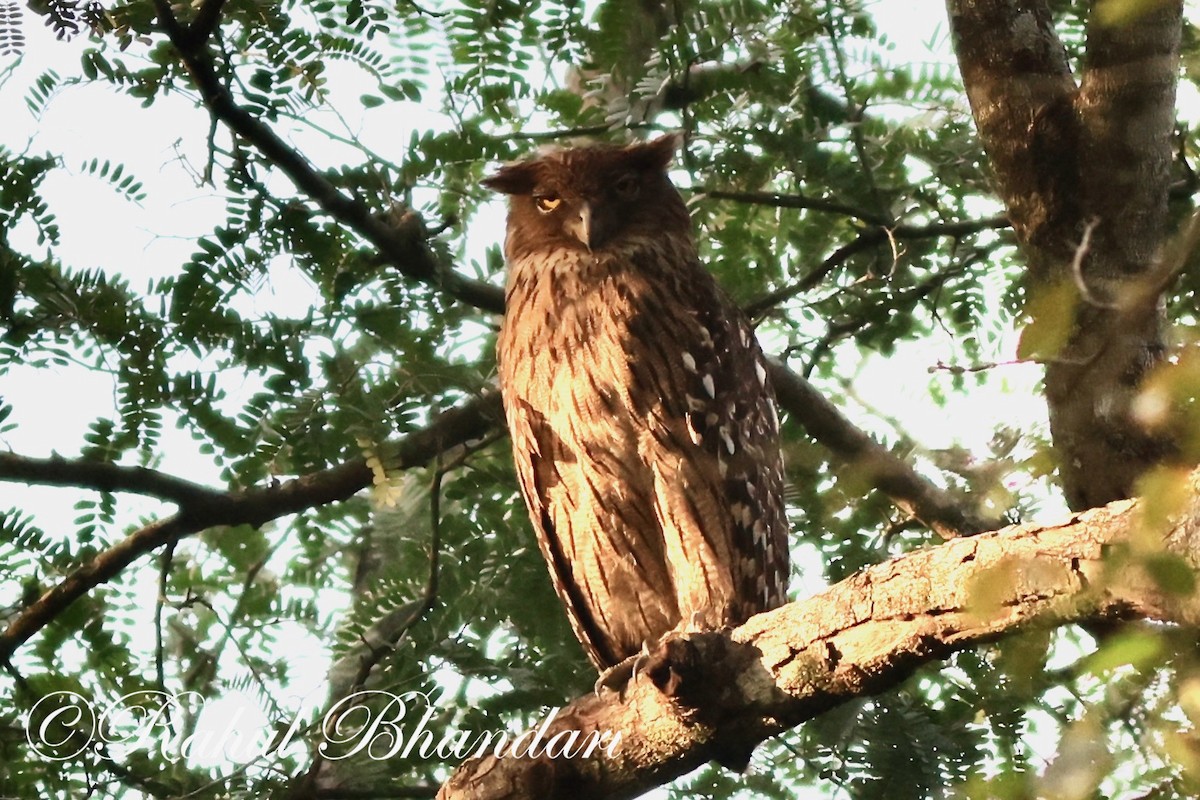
pixel 1126 115
pixel 1020 87
pixel 106 477
pixel 712 696
pixel 255 507
pixel 873 463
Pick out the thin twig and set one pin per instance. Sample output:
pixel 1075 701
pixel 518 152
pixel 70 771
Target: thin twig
pixel 793 201
pixel 856 113
pixel 383 638
pixel 435 533
pixel 864 241
pixel 959 369
pixel 1081 252
pixel 758 307
pixel 164 575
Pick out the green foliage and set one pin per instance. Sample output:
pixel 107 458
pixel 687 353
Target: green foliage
pixel 12 38
pixel 20 177
pixel 822 171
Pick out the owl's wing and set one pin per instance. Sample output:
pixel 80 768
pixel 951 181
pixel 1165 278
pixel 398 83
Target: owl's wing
pixel 712 439
pixel 539 453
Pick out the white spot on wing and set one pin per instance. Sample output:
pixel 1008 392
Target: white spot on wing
pixel 689 362
pixel 709 386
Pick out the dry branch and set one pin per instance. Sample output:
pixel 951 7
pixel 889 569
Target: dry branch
pixel 775 200
pixel 712 696
pixel 871 237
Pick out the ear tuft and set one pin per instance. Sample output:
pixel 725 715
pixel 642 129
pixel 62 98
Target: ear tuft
pixel 516 178
pixel 656 154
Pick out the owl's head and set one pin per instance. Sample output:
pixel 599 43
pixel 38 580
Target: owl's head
pixel 596 198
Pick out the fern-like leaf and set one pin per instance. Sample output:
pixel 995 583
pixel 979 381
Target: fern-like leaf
pixel 12 38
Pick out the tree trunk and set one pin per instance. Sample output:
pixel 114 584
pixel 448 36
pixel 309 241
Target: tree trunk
pixel 1084 170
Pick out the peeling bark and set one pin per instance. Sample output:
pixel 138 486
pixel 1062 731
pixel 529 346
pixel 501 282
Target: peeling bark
pixel 1085 173
pixel 715 696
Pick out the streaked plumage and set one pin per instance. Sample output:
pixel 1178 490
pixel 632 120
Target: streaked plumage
pixel 642 417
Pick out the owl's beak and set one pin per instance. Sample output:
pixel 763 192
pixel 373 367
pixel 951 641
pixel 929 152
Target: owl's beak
pixel 581 227
pixel 593 227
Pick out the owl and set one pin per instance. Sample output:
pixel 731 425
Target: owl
pixel 642 416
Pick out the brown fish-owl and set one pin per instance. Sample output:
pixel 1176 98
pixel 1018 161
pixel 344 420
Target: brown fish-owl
pixel 642 415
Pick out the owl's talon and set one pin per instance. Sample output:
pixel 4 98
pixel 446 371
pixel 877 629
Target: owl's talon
pixel 617 677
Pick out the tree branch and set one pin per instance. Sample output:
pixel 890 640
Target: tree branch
pixel 775 200
pixel 208 17
pixel 867 239
pixel 253 507
pixel 1020 106
pixel 104 476
pixel 875 464
pixel 403 243
pixel 711 696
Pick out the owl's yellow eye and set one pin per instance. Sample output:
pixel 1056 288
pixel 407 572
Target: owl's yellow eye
pixel 547 202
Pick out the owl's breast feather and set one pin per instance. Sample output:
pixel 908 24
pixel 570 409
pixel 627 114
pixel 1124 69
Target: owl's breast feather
pixel 578 332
